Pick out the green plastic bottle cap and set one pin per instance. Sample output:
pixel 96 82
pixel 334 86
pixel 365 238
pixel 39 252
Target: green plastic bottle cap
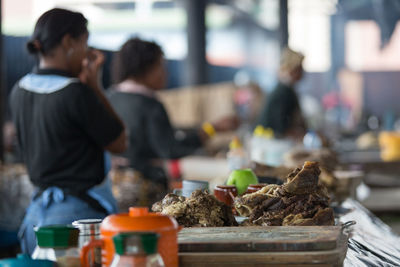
pixel 57 236
pixel 136 243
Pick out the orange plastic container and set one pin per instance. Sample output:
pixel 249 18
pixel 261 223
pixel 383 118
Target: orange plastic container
pixel 138 219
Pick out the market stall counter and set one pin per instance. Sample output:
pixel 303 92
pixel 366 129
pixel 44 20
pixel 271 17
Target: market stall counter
pixel 372 242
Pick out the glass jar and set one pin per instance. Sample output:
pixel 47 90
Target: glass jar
pixel 136 249
pixel 58 243
pixel 89 230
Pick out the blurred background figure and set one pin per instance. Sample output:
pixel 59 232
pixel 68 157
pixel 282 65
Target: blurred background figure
pixel 9 139
pixel 139 72
pixel 282 112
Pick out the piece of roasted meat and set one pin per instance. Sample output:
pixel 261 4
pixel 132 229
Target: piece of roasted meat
pixel 326 158
pixel 245 204
pixel 302 180
pixel 201 209
pixel 299 201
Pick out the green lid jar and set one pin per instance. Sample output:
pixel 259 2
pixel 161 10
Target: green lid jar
pixel 57 236
pixel 58 243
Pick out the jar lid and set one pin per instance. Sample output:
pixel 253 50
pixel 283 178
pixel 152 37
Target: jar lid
pixel 24 260
pixel 136 243
pixel 88 226
pixel 57 236
pixel 138 219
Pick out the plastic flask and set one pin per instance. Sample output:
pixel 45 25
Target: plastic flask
pixel 139 219
pixel 236 156
pixel 274 148
pixel 136 249
pixel 256 152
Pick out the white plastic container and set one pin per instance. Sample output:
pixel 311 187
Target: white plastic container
pixel 237 156
pixel 266 149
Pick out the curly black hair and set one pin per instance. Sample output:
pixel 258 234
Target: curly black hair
pixel 135 58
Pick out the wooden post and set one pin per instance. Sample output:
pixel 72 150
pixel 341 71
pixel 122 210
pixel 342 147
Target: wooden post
pixel 196 65
pixel 2 91
pixel 283 23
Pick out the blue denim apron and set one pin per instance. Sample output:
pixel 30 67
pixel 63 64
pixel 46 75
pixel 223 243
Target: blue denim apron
pixel 55 207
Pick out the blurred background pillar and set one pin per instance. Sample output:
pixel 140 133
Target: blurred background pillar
pixel 338 29
pixel 196 65
pixel 2 91
pixel 283 23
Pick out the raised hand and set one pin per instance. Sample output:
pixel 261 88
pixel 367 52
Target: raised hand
pixel 91 69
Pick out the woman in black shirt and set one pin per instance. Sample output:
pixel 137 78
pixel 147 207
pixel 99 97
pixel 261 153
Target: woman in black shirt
pixel 64 123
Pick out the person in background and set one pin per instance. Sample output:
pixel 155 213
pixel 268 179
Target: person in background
pixel 9 138
pixel 64 124
pixel 282 112
pixel 139 72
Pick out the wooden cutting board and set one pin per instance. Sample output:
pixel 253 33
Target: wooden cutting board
pixel 262 246
pixel 259 239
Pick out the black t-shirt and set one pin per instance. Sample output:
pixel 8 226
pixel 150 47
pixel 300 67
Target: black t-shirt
pixel 281 110
pixel 62 128
pixel 151 135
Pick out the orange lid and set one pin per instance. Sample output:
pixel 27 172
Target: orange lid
pixel 138 219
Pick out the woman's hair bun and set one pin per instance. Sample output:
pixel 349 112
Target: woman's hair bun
pixel 52 26
pixel 32 47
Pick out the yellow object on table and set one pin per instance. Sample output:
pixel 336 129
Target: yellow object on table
pixel 390 146
pixel 209 129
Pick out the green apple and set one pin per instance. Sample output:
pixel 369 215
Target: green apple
pixel 242 179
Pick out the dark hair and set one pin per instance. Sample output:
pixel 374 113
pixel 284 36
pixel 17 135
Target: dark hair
pixel 52 26
pixel 135 58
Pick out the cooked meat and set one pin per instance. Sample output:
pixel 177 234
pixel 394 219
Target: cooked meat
pixel 300 201
pixel 321 217
pixel 297 220
pixel 245 204
pixel 303 181
pixel 167 200
pixel 327 160
pixel 324 217
pixel 200 209
pixel 273 203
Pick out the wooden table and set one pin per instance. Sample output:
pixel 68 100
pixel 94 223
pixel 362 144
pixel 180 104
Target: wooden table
pixel 252 246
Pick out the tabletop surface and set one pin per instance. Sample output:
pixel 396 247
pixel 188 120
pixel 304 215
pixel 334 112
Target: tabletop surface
pixel 256 238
